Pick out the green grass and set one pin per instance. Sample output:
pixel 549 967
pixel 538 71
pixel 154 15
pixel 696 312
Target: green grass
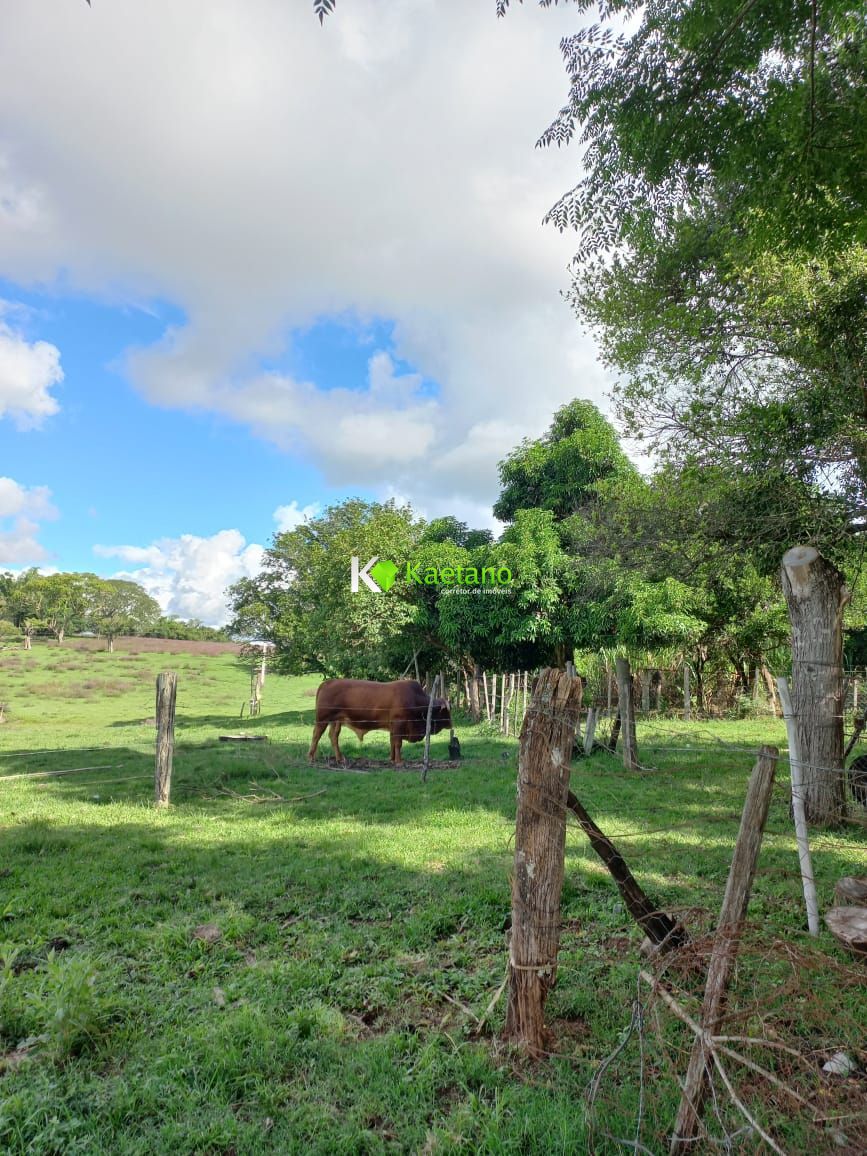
pixel 356 925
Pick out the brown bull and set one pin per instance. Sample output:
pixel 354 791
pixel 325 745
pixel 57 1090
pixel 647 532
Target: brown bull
pixel 397 707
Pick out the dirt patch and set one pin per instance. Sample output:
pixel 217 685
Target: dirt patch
pixel 383 765
pixel 155 646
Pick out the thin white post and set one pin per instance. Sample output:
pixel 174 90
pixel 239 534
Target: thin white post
pixel 801 835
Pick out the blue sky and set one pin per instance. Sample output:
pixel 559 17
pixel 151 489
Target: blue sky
pixel 280 265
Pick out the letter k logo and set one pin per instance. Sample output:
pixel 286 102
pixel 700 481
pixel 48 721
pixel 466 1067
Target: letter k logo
pixel 376 576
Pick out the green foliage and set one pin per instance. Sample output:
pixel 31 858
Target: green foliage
pixel 303 603
pixel 114 606
pixel 722 220
pixel 563 470
pixel 191 630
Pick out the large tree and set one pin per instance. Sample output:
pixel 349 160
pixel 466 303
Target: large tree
pixel 116 606
pixel 722 222
pixel 302 600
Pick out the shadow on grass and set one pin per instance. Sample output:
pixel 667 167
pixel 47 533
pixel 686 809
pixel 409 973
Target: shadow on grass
pixel 676 829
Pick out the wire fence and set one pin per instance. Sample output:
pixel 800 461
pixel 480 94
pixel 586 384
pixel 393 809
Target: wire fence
pixel 790 1012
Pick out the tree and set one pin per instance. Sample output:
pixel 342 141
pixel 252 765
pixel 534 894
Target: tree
pixel 114 606
pixel 63 603
pixel 563 470
pixel 722 222
pixel 24 601
pixel 302 601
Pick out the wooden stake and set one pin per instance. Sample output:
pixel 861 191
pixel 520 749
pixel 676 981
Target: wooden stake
pixel 540 840
pixel 724 952
pixel 167 685
pixel 808 882
pixel 627 714
pixel 590 731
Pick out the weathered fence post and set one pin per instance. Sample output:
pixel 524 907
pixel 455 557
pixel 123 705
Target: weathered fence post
pixel 540 841
pixel 816 595
pixel 687 694
pixel 590 730
pixel 167 685
pixel 626 698
pixel 803 840
pixel 724 952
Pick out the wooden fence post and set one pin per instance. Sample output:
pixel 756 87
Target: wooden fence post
pixel 627 713
pixel 816 594
pixel 590 730
pixel 167 685
pixel 687 694
pixel 807 880
pixel 724 952
pixel 540 841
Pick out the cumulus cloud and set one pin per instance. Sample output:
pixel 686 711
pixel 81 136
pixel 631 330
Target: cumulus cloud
pixel 259 172
pixel 22 508
pixel 288 517
pixel 188 576
pixel 28 370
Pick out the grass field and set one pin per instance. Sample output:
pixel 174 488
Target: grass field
pixel 234 975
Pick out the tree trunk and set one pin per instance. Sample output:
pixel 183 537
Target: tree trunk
pixel 816 595
pixel 645 692
pixel 540 842
pixel 473 691
pixel 110 641
pixel 687 694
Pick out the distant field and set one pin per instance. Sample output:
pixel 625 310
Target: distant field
pixel 293 959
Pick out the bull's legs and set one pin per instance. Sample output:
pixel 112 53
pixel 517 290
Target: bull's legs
pixel 396 756
pixel 318 731
pixel 334 735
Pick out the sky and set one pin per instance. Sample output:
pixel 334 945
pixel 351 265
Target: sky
pixel 250 266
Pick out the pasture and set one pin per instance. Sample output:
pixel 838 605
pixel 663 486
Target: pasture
pixel 297 960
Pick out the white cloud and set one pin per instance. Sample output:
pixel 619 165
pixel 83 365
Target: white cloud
pixel 288 517
pixel 189 575
pixel 28 370
pixel 260 171
pixel 22 508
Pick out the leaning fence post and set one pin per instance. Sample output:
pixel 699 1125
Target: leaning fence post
pixel 167 685
pixel 798 810
pixel 540 841
pixel 724 952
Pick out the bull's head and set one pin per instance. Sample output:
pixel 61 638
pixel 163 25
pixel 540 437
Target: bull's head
pixel 441 718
